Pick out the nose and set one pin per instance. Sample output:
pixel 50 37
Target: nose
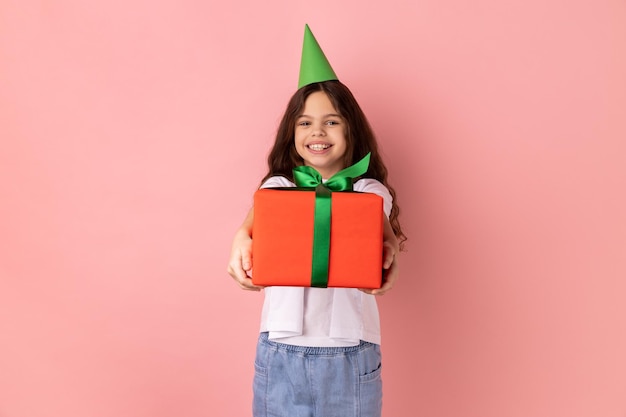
pixel 318 130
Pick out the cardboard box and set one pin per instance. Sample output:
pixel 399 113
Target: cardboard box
pixel 282 239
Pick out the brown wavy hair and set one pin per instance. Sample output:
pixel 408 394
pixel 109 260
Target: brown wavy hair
pixel 360 140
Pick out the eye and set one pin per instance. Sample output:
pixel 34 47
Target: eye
pixel 332 122
pixel 304 123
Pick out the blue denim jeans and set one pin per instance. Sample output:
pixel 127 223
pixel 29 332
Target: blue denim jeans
pixel 299 381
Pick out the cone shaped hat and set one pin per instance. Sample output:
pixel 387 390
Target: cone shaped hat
pixel 314 67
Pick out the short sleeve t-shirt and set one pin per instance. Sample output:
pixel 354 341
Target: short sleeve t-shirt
pixel 323 316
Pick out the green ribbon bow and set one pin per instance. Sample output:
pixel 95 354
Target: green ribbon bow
pixel 308 177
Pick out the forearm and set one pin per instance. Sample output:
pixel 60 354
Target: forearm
pixel 246 227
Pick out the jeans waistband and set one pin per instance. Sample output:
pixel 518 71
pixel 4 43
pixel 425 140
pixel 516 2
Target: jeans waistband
pixel 313 350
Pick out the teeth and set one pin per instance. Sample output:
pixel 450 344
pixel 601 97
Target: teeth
pixel 318 146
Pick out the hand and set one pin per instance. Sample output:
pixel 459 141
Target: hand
pixel 390 267
pixel 390 260
pixel 240 263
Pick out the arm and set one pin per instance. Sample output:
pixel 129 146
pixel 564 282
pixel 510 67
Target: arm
pixel 240 263
pixel 390 261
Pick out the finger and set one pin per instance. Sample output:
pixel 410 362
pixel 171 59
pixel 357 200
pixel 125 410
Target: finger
pixel 246 260
pixel 389 280
pixel 247 285
pixel 382 290
pixel 240 264
pixel 388 260
pixel 241 277
pixel 388 256
pixel 243 280
pixel 236 271
pixel 387 285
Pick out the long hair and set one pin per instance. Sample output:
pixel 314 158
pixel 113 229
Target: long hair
pixel 360 140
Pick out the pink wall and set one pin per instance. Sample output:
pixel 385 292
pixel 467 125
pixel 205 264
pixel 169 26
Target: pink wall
pixel 134 133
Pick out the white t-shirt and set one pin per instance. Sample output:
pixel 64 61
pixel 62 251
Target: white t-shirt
pixel 323 316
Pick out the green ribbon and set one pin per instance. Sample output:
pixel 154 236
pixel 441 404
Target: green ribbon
pixel 308 177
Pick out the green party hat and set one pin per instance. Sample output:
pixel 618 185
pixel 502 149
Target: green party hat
pixel 314 66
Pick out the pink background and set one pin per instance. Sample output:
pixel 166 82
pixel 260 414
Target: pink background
pixel 133 135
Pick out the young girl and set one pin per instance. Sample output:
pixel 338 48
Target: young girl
pixel 318 353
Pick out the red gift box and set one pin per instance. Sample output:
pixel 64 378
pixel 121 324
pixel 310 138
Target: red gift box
pixel 282 239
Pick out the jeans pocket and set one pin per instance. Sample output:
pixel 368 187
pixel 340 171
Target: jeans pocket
pixel 371 376
pixel 259 390
pixel 369 363
pixel 259 370
pixel 371 384
pixel 371 394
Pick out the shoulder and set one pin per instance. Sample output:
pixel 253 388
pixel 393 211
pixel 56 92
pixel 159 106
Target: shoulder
pixel 370 185
pixel 277 181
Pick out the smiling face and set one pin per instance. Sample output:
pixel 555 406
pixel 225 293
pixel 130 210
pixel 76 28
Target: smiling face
pixel 320 135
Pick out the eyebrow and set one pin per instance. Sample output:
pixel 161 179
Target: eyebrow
pixel 326 115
